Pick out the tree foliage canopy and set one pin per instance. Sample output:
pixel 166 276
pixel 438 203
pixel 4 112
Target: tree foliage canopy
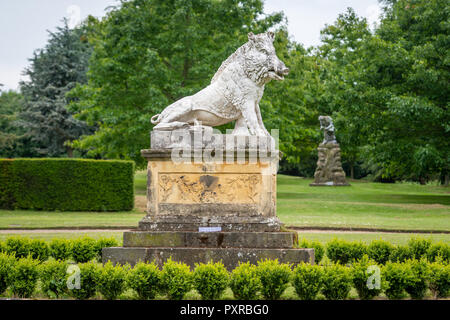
pixel 54 71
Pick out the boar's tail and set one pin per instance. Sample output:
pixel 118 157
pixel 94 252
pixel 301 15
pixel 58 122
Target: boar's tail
pixel 155 121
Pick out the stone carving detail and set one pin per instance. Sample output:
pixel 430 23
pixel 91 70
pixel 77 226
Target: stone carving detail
pixel 326 124
pixel 234 93
pixel 209 189
pixel 329 170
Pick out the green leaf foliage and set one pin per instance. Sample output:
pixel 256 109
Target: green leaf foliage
pixel 145 280
pixel 89 279
pixel 147 55
pixel 210 280
pixel 54 71
pixel 363 272
pixel 112 280
pixel 24 277
pixel 7 263
pixel 337 282
pixel 176 279
pixel 61 249
pixel 53 274
pixel 307 280
pixel 439 279
pixel 83 249
pixel 380 251
pixel 319 250
pixel 274 278
pixel 67 184
pixel 104 243
pixel 245 282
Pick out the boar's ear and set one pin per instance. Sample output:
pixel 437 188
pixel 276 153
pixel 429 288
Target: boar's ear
pixel 251 36
pixel 271 35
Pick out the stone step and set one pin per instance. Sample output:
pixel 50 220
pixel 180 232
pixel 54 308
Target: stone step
pixel 227 223
pixel 209 239
pixel 230 257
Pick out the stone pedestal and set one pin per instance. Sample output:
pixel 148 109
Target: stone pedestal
pixel 207 201
pixel 329 170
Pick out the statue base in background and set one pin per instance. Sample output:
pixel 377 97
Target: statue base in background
pixel 329 170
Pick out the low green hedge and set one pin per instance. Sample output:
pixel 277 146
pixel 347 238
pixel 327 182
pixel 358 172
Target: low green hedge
pixel 27 277
pixel 66 184
pixel 82 250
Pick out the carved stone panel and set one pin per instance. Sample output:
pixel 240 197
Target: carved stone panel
pixel 205 188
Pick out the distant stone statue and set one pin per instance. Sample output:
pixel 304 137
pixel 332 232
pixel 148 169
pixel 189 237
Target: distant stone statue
pixel 234 93
pixel 329 170
pixel 326 124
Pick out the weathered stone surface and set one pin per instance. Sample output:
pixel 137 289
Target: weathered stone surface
pixel 230 257
pixel 191 222
pixel 235 196
pixel 329 170
pixel 208 139
pixel 209 239
pixel 234 92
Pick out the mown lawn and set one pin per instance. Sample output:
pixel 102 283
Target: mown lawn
pixel 323 237
pixel 402 206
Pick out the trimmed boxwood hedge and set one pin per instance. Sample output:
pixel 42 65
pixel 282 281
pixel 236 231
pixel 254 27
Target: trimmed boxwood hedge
pixel 66 184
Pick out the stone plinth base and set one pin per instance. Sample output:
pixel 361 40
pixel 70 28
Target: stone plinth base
pixel 225 223
pixel 230 257
pixel 277 240
pixel 329 170
pixel 200 247
pixel 228 191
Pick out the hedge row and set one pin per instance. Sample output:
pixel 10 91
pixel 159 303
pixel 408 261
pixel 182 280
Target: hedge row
pixel 66 184
pixel 344 252
pixel 268 279
pixel 79 250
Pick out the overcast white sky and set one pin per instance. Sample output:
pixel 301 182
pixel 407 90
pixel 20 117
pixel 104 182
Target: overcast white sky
pixel 24 24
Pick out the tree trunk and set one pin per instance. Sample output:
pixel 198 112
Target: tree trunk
pixel 422 180
pixel 352 171
pixel 69 152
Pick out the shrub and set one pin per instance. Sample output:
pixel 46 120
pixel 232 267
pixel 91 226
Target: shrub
pixel 417 284
pixel 104 243
pixel 361 272
pixel 24 277
pixel 307 280
pixel 439 279
pixel 145 279
pixel 67 184
pixel 2 247
pixel 418 247
pixel 439 249
pixel 319 250
pixel 343 252
pixel 20 247
pixel 84 249
pixel 380 251
pixel 176 279
pixel 39 250
pixel 88 275
pixel 274 278
pixel 6 265
pixel 400 254
pixel 397 276
pixel 337 282
pixel 244 282
pixel 53 278
pixel 61 249
pixel 210 280
pixel 112 280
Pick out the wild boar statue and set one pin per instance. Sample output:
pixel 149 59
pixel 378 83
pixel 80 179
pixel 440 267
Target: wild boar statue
pixel 234 93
